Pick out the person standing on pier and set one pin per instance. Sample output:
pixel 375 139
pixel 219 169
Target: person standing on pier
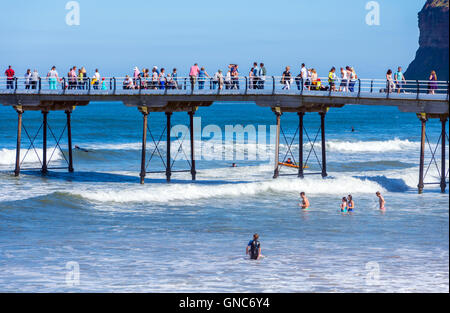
pixel 34 79
pixel 381 200
pixel 344 80
pixel 332 79
pixel 202 78
pixel 175 78
pixel 193 73
pixel 261 76
pixel 10 77
pixel 96 79
pixel 53 78
pixel 27 78
pixel 399 79
pixel 286 78
pixel 353 78
pixel 432 85
pixel 255 74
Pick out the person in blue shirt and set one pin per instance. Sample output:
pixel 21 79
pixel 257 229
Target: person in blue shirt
pixel 254 248
pixel 202 78
pixel 399 79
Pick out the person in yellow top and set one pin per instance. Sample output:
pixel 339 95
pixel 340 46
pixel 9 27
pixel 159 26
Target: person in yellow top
pixel 332 79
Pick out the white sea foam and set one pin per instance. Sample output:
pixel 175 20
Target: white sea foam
pixel 371 146
pixel 332 146
pixel 8 156
pixel 178 192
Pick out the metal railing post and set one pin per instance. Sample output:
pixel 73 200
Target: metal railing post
pixel 448 89
pixel 359 87
pixel 246 84
pixel 89 84
pixel 273 85
pixel 114 84
pixel 15 83
pixel 417 88
pixel 388 85
pixel 301 82
pixel 39 84
pixel 371 86
pixel 64 85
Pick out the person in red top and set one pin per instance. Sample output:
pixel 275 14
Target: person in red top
pixel 10 78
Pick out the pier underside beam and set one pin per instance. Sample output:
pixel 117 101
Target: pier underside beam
pixel 277 145
pixel 168 143
pixel 301 115
pixel 44 142
pixel 144 146
pixel 19 140
pixel 192 137
pixel 289 158
pixel 443 183
pixel 69 139
pixel 324 154
pixel 44 159
pixel 441 170
pixel 169 160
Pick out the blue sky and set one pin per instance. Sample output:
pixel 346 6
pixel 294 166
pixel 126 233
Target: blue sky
pixel 117 35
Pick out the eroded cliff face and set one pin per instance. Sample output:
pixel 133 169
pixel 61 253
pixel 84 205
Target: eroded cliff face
pixel 433 42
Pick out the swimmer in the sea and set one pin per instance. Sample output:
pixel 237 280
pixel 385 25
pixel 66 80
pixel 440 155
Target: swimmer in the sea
pixel 289 161
pixel 81 149
pixel 381 200
pixel 233 165
pixel 350 203
pixel 254 248
pixel 305 202
pixel 344 205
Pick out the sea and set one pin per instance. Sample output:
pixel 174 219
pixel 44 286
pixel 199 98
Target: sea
pixel 98 230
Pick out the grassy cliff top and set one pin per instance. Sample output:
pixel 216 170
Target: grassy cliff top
pixel 437 4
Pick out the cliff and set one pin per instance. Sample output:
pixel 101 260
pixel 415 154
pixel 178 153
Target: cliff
pixel 433 42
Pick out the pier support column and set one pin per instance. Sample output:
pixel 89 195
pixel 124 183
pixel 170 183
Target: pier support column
pixel 191 129
pixel 44 143
pixel 423 120
pixel 69 139
pixel 443 146
pixel 19 140
pixel 276 172
pixel 324 154
pixel 168 165
pixel 301 115
pixel 144 147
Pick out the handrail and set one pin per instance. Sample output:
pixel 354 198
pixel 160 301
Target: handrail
pixel 386 87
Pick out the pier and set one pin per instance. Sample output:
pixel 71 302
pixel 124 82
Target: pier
pixel 298 98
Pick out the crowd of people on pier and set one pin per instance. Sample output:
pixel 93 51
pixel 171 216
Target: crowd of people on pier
pixel 342 80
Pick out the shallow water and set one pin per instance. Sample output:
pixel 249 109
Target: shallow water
pixel 187 236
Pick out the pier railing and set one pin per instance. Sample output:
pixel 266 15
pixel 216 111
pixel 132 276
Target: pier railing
pixel 234 85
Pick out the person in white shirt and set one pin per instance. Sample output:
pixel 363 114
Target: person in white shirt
pixel 304 74
pixel 344 80
pixel 96 79
pixel 34 79
pixel 53 78
pixel 27 79
pixel 228 80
